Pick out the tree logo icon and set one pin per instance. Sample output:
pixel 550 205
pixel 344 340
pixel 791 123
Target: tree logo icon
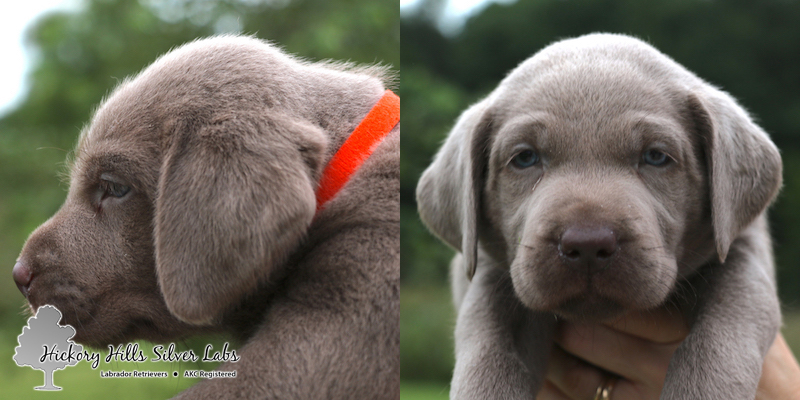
pixel 45 345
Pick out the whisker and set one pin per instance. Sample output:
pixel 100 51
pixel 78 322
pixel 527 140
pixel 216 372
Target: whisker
pixel 52 148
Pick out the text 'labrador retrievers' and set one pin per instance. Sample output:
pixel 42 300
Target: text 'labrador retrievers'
pixel 601 177
pixel 192 209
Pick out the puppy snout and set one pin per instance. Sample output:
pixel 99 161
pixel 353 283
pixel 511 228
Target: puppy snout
pixel 589 248
pixel 22 277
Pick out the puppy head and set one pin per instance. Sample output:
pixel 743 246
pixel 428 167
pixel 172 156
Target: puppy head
pixel 601 173
pixel 190 187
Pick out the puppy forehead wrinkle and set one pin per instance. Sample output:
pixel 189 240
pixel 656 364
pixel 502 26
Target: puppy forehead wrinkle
pixel 657 129
pixel 136 164
pixel 521 129
pixel 580 122
pixel 609 68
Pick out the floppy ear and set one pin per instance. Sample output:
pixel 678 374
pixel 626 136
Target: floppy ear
pixel 235 198
pixel 744 166
pixel 449 191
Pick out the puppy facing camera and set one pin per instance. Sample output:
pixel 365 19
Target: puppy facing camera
pixel 601 177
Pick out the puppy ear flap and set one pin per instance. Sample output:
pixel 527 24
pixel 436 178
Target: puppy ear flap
pixel 450 190
pixel 235 197
pixel 744 166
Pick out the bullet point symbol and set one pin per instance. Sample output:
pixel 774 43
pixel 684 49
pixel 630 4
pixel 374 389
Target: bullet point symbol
pixel 174 373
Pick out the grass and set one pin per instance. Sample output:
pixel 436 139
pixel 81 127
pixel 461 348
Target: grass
pixel 427 320
pixel 791 330
pixel 424 391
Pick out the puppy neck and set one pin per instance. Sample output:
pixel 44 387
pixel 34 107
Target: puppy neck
pixel 369 133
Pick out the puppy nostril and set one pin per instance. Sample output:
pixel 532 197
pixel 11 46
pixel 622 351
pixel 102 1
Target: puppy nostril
pixel 587 246
pixel 22 277
pixel 604 254
pixel 572 254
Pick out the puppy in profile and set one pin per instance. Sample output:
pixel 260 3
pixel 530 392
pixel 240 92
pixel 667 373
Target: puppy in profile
pixel 602 177
pixel 194 207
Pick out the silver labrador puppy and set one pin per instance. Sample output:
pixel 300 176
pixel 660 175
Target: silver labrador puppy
pixel 601 177
pixel 192 209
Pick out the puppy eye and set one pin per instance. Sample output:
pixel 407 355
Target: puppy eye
pixel 111 188
pixel 655 158
pixel 525 159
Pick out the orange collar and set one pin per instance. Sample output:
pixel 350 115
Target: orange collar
pixel 383 117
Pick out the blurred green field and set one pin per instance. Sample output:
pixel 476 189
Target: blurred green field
pixel 424 391
pixel 427 319
pixel 791 330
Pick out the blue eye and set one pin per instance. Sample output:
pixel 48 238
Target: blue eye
pixel 114 189
pixel 655 158
pixel 525 159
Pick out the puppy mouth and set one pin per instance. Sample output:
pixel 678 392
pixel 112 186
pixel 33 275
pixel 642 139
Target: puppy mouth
pixel 74 312
pixel 35 300
pixel 137 328
pixel 95 326
pixel 92 332
pixel 589 307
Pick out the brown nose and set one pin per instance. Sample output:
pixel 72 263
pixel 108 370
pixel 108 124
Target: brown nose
pixel 22 277
pixel 588 248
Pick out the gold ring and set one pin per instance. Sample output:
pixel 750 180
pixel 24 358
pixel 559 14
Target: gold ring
pixel 605 388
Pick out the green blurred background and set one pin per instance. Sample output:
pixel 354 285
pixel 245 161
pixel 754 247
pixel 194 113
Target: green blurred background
pixel 80 56
pixel 750 49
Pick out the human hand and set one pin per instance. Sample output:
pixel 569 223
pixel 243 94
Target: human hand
pixel 637 348
pixel 780 377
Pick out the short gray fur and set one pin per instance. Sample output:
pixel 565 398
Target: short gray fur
pixel 692 235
